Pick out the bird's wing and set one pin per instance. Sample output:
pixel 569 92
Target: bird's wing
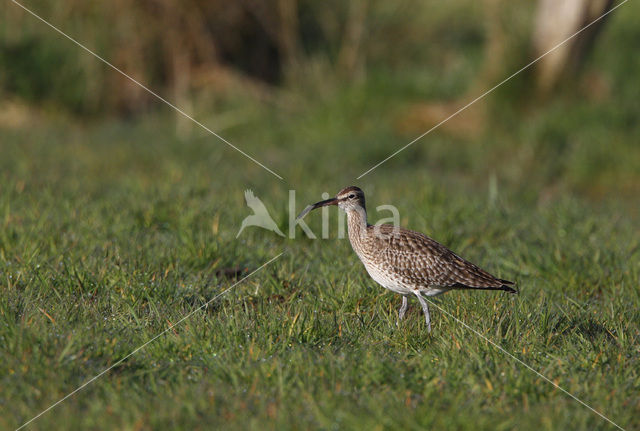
pixel 249 196
pixel 425 262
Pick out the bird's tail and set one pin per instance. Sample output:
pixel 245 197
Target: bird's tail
pixel 506 286
pixel 503 287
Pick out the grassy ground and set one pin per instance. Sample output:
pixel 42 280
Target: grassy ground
pixel 111 231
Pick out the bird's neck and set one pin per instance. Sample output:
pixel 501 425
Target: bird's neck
pixel 357 224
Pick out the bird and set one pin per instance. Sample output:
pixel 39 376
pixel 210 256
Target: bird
pixel 260 217
pixel 407 262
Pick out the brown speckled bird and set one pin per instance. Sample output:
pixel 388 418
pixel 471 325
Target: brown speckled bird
pixel 404 261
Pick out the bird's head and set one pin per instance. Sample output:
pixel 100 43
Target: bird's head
pixel 348 199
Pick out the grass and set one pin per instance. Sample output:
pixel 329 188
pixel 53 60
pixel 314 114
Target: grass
pixel 104 245
pixel 112 231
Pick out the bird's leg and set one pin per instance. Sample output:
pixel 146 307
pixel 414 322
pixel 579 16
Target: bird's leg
pixel 425 309
pixel 403 308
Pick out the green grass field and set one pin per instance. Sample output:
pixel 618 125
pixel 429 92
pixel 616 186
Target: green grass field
pixel 111 231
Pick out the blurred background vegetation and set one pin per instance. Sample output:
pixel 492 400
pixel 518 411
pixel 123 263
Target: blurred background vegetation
pixel 342 77
pixel 186 48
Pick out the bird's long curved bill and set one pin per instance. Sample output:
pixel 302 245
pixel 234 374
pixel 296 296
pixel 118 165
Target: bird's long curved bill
pixel 308 209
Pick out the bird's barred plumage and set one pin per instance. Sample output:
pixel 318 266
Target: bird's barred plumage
pixel 405 261
pixel 420 262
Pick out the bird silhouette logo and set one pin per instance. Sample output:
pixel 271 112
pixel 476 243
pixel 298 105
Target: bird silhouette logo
pixel 260 217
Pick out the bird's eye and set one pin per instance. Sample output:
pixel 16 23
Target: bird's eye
pixel 351 196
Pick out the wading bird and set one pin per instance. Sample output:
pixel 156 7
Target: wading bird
pixel 404 261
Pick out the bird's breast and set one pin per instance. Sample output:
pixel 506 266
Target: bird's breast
pixel 386 278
